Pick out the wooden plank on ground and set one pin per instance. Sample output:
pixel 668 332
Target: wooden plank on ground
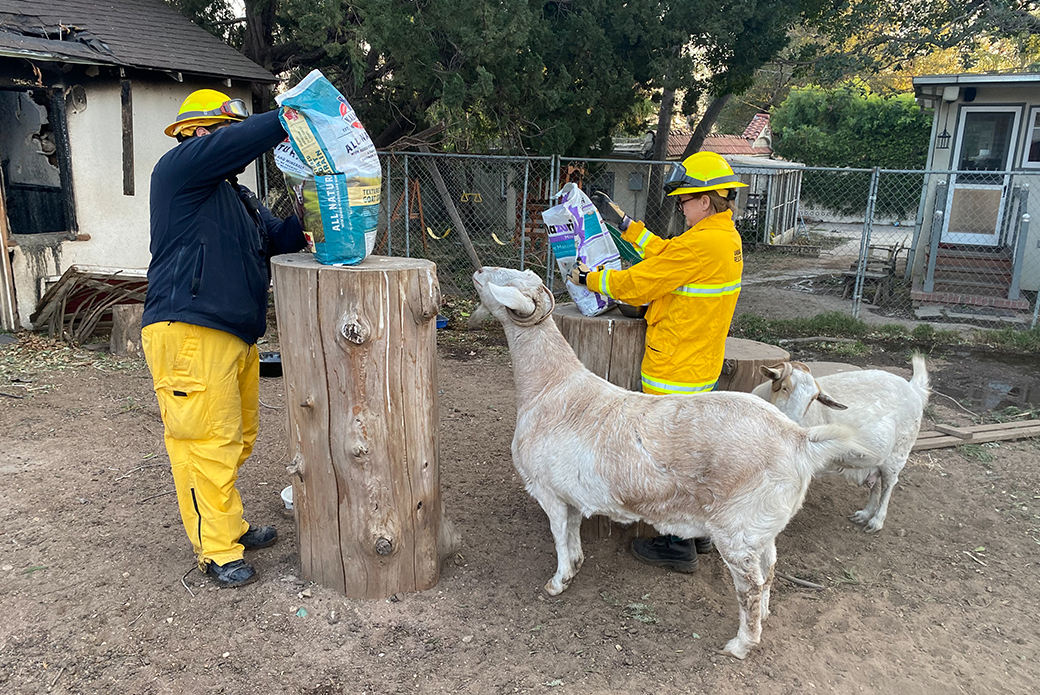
pixel 992 435
pixel 955 431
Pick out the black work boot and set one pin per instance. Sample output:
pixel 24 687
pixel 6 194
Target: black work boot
pixel 670 552
pixel 234 573
pixel 703 545
pixel 258 537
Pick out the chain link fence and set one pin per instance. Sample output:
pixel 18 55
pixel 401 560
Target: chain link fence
pixel 884 245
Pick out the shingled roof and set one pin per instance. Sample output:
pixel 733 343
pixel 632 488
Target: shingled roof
pixel 146 34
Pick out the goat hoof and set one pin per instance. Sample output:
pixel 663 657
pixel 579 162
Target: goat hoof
pixel 873 527
pixel 735 649
pixel 555 587
pixel 578 562
pixel 859 517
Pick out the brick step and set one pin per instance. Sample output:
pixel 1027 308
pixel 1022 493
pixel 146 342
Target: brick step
pixel 954 298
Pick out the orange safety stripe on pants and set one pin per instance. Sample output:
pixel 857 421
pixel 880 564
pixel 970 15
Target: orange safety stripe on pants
pixel 208 386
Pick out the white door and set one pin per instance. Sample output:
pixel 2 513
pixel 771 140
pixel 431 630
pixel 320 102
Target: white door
pixel 975 205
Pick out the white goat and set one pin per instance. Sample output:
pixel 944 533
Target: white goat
pixel 724 465
pixel 885 409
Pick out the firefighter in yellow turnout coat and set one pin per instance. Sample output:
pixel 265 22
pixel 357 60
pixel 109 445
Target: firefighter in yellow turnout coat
pixel 691 283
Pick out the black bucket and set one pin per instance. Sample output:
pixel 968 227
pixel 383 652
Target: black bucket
pixel 270 364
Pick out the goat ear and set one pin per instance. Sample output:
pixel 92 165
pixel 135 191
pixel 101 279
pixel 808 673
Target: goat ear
pixel 512 298
pixel 830 402
pixel 800 365
pixel 771 373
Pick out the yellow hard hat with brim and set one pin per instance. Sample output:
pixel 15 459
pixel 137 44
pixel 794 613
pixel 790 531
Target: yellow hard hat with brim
pixel 205 107
pixel 702 171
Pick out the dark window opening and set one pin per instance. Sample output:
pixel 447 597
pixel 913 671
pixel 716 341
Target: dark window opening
pixel 34 161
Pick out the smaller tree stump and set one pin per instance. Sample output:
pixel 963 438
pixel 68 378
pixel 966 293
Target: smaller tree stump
pixel 743 358
pixel 126 330
pixel 609 345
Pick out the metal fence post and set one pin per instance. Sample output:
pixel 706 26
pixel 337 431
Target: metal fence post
pixel 554 181
pixel 407 212
pixel 935 233
pixel 523 214
pixel 864 244
pixel 1020 244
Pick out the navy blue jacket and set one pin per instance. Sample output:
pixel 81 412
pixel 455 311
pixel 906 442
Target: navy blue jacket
pixel 210 238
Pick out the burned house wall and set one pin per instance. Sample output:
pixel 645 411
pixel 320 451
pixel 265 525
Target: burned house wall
pixel 113 228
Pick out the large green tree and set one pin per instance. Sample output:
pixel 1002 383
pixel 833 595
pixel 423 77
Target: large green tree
pixel 541 76
pixel 850 126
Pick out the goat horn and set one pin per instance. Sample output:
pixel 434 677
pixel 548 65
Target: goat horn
pixel 533 319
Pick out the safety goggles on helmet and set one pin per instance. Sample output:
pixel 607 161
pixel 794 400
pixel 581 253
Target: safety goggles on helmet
pixel 679 178
pixel 234 108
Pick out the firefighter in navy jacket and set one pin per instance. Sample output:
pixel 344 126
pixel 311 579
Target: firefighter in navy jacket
pixel 206 306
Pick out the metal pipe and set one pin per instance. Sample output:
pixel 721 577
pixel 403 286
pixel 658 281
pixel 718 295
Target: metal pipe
pixel 934 233
pixel 1020 249
pixel 407 212
pixel 864 243
pixel 523 216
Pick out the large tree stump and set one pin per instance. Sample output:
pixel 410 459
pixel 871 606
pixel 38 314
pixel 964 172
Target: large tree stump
pixel 611 346
pixel 359 358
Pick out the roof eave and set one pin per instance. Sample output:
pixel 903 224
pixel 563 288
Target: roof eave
pixel 48 57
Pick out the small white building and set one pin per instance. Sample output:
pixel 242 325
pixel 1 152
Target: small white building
pixel 975 247
pixel 86 88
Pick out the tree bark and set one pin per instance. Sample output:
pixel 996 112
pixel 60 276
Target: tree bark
pixel 704 126
pixel 655 193
pixel 257 46
pixel 359 358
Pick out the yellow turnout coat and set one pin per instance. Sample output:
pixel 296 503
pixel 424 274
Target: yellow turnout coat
pixel 691 283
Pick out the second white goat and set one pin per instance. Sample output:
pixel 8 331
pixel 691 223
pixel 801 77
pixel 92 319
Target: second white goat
pixel 725 465
pixel 885 409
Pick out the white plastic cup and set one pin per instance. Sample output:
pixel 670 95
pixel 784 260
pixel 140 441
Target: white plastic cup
pixel 287 497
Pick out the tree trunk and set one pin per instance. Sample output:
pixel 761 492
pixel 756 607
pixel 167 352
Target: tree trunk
pixel 655 193
pixel 705 125
pixel 125 338
pixel 257 43
pixel 359 356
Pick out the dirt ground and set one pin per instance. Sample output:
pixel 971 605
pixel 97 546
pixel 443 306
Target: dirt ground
pixel 92 556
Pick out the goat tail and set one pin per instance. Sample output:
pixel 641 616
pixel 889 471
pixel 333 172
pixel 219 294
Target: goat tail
pixel 919 381
pixel 833 444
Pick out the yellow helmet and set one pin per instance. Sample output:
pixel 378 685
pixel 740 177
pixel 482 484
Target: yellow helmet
pixel 206 107
pixel 702 171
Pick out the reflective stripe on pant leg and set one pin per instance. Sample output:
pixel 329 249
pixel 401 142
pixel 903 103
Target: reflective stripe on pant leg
pixel 195 370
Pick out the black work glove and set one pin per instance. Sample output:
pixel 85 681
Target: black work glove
pixel 609 211
pixel 578 273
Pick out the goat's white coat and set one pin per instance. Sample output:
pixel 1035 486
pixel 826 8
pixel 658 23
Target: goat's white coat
pixel 885 409
pixel 725 465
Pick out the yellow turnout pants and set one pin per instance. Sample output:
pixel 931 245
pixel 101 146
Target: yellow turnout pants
pixel 208 385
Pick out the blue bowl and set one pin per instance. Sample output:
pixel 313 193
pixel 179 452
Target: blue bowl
pixel 442 321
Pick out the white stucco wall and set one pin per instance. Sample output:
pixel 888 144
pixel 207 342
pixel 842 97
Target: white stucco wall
pixel 117 224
